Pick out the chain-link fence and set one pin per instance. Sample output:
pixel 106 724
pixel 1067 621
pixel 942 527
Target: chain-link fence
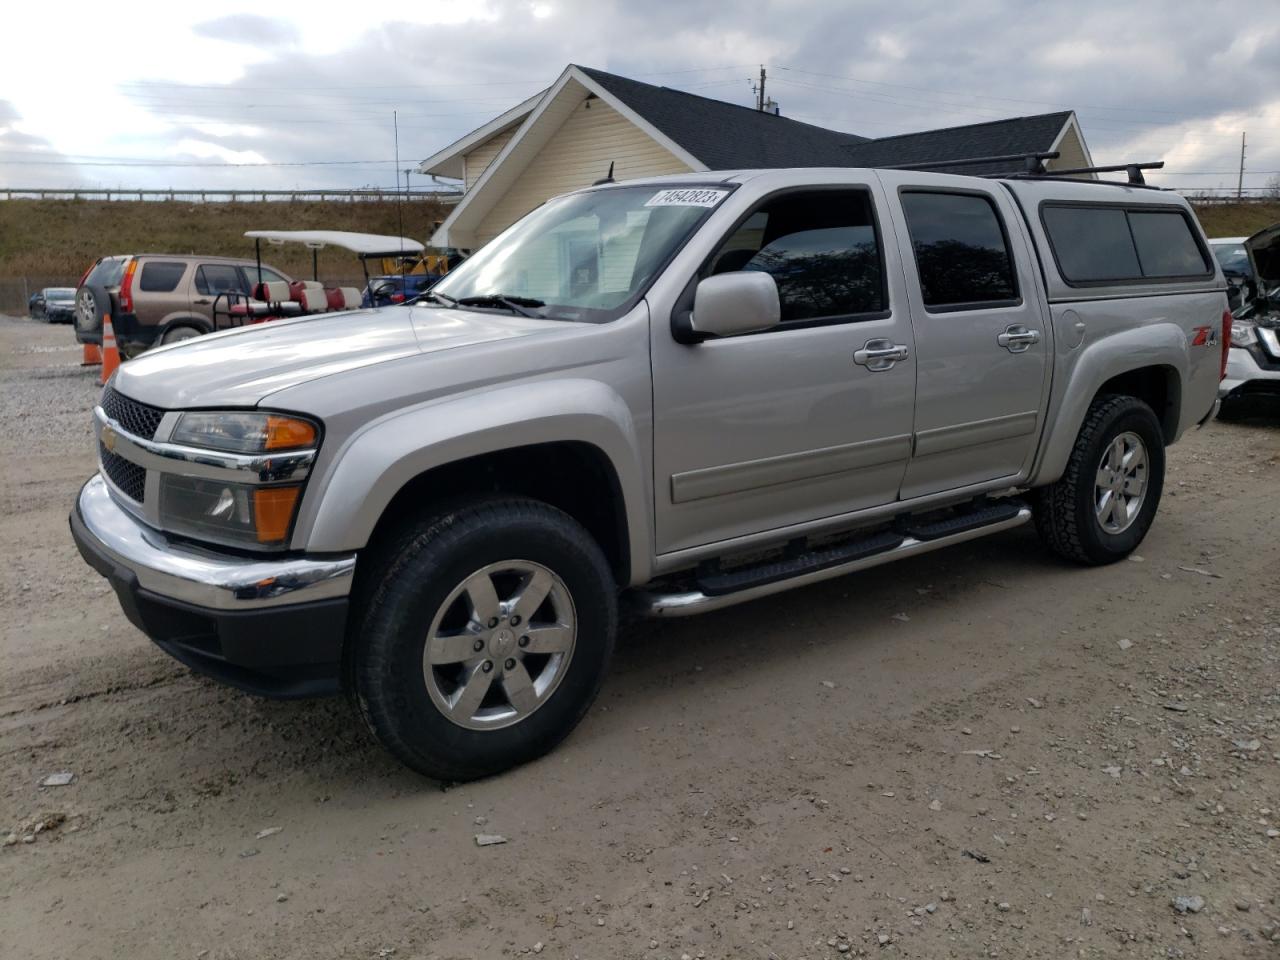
pixel 16 292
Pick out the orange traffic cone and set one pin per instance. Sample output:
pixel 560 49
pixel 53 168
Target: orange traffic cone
pixel 92 355
pixel 110 355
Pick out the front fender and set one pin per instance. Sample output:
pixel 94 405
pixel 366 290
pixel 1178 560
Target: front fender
pixel 375 463
pixel 1088 368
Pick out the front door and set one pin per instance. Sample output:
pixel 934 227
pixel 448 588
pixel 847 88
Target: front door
pixel 982 338
pixel 810 419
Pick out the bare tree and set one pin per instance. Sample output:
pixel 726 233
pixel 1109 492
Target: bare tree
pixel 1272 189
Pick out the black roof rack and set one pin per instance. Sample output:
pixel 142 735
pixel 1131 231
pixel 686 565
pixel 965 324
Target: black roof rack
pixel 1132 170
pixel 1034 162
pixel 1034 168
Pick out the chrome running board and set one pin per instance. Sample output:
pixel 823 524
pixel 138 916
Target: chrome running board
pixel 688 603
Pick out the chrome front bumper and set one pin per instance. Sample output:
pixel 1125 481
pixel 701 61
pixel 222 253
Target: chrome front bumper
pixel 203 578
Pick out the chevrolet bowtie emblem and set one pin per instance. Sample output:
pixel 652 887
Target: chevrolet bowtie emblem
pixel 109 438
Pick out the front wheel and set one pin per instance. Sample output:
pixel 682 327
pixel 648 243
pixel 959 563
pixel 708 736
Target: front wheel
pixel 1102 507
pixel 178 334
pixel 483 637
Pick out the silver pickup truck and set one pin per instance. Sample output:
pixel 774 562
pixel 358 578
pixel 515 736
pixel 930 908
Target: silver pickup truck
pixel 674 395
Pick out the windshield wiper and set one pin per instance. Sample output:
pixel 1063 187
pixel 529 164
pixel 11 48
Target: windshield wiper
pixel 515 304
pixel 433 295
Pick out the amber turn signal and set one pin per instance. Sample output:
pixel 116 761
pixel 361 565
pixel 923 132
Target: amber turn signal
pixel 288 433
pixel 273 512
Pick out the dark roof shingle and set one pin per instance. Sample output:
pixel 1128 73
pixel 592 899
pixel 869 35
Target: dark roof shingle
pixel 999 138
pixel 728 136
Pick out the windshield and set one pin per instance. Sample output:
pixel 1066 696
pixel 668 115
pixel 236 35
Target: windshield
pixel 59 293
pixel 588 256
pixel 1233 258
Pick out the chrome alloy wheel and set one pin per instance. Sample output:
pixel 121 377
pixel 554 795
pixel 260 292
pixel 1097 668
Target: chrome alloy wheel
pixel 499 645
pixel 86 309
pixel 1121 483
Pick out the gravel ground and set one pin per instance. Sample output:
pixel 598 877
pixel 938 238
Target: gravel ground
pixel 980 752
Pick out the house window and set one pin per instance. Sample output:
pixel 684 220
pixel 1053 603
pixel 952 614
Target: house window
pixel 822 250
pixel 962 254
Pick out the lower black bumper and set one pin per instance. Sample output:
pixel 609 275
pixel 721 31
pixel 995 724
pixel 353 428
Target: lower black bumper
pixel 285 652
pixel 126 328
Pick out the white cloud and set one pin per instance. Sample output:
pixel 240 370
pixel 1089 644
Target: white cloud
pixel 317 80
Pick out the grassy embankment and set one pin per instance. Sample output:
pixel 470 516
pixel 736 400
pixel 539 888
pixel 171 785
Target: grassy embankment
pixel 1237 219
pixel 53 241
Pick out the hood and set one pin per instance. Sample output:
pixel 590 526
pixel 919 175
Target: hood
pixel 238 368
pixel 1264 255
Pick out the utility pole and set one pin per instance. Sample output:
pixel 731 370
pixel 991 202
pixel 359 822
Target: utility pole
pixel 760 91
pixel 1240 182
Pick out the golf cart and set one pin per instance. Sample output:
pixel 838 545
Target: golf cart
pixel 273 300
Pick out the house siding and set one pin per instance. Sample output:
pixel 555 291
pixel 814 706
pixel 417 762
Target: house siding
pixel 579 153
pixel 1071 155
pixel 478 160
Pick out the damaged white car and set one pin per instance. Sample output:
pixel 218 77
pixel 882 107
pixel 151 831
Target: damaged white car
pixel 1253 363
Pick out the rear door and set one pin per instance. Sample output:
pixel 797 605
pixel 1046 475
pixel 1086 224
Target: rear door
pixel 161 291
pixel 981 334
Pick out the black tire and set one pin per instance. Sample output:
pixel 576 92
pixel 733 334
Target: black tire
pixel 410 579
pixel 1064 511
pixel 92 304
pixel 1233 409
pixel 180 332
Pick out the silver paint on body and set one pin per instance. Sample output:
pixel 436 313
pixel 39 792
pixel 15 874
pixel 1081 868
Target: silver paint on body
pixel 733 443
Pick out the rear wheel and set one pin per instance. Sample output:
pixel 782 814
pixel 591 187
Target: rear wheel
pixel 483 637
pixel 1102 507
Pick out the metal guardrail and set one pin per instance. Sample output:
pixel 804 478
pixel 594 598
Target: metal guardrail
pixel 203 196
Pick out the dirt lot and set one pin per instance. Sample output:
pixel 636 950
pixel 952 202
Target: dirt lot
pixel 981 752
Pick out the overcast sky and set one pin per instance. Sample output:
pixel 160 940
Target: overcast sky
pixel 166 94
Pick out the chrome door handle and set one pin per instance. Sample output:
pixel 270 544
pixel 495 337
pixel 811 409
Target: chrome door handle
pixel 878 355
pixel 1017 338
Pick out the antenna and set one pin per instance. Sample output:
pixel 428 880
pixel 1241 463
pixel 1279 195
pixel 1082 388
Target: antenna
pixel 608 177
pixel 395 126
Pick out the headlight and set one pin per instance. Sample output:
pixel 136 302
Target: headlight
pixel 248 507
pixel 244 432
pixel 1243 334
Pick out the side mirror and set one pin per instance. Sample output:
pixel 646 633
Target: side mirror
pixel 730 304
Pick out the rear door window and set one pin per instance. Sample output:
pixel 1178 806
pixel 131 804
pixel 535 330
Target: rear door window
pixel 961 250
pixel 160 276
pixel 1098 244
pixel 822 249
pixel 215 278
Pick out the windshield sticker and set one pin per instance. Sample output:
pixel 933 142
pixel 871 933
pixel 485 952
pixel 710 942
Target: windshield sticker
pixel 697 197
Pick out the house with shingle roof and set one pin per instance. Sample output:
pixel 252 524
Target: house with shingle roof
pixel 588 121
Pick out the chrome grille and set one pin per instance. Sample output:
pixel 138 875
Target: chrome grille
pixel 136 418
pixel 130 478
